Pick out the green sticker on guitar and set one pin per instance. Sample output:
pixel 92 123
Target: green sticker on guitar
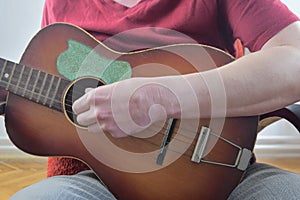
pixel 80 60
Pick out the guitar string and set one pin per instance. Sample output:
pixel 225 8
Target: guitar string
pixel 57 101
pixel 48 98
pixel 37 88
pixel 188 152
pixel 69 103
pixel 34 76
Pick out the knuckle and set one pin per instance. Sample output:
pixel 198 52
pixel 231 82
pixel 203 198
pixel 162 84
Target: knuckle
pixel 99 115
pixel 102 114
pixel 90 98
pixel 137 99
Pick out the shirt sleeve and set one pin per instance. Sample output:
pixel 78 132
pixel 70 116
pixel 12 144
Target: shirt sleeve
pixel 256 21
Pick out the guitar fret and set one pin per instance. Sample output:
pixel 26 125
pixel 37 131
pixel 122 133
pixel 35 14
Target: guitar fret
pixel 19 79
pixel 34 85
pixel 27 82
pixel 55 92
pixel 9 76
pixel 48 91
pixel 3 69
pixel 42 88
pixel 3 82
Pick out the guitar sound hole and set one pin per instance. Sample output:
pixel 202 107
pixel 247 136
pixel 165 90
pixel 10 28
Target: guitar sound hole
pixel 74 92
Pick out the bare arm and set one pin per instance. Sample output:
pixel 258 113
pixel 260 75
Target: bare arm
pixel 257 83
pixel 265 80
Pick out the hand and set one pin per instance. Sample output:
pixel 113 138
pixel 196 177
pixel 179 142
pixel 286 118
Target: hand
pixel 124 108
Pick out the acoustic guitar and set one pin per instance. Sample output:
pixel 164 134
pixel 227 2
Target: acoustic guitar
pixel 174 159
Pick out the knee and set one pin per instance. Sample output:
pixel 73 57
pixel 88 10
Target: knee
pixel 267 182
pixel 80 186
pixel 46 190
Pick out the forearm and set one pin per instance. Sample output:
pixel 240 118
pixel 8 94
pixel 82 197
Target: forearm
pixel 259 82
pixel 254 84
pixel 263 81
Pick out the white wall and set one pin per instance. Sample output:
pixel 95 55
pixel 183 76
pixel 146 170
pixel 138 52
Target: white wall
pixel 20 20
pixel 293 5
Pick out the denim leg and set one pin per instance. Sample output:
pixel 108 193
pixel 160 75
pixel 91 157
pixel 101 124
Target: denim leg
pixel 84 185
pixel 264 182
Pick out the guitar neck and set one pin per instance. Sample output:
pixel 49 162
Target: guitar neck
pixel 32 84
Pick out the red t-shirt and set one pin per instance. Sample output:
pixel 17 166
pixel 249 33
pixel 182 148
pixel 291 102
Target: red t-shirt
pixel 213 22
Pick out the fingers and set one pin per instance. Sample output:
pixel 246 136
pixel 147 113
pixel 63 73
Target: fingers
pixel 88 89
pixel 87 118
pixel 83 103
pixel 90 114
pixel 104 109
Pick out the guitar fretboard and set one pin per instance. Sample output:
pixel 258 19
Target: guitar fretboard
pixel 32 84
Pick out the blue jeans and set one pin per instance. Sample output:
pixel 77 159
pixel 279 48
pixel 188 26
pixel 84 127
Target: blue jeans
pixel 261 182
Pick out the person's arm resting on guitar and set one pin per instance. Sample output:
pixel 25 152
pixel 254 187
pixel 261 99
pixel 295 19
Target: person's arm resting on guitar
pixel 273 71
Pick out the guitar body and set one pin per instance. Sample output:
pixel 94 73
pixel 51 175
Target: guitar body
pixel 40 130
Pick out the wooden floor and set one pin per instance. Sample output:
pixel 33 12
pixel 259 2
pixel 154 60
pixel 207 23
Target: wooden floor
pixel 17 174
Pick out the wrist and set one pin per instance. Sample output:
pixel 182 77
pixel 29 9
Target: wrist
pixel 175 95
